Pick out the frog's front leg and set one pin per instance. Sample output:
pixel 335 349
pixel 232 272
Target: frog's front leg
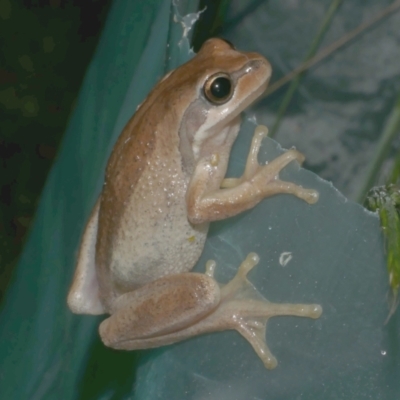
pixel 252 164
pixel 235 195
pixel 178 307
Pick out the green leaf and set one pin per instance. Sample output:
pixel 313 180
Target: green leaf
pixel 45 351
pixel 337 261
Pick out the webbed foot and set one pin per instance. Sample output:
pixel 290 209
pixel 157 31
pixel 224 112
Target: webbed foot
pixel 244 309
pixel 265 177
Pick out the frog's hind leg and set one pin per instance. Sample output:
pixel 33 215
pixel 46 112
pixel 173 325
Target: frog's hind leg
pixel 83 296
pixel 249 311
pixel 178 307
pixel 153 314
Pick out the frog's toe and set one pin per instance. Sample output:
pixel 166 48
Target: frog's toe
pixel 309 195
pixel 253 331
pixel 248 264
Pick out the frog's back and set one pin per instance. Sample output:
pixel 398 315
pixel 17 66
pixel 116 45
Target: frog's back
pixel 143 230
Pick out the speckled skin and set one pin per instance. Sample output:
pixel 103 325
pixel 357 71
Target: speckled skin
pixel 164 184
pixel 155 237
pixel 149 222
pixel 144 231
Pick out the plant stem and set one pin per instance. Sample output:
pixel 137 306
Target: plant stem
pixel 332 48
pixel 313 49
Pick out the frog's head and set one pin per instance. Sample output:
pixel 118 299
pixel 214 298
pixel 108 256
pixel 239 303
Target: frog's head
pixel 224 83
pixel 231 80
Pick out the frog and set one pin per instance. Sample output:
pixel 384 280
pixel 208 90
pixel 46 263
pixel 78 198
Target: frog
pixel 164 184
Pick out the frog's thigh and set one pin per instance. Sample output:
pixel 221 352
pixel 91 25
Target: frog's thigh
pixel 83 297
pixel 162 307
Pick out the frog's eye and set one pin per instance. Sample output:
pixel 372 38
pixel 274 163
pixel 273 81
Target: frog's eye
pixel 218 88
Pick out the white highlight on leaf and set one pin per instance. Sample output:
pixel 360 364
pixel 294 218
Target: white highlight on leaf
pixel 253 119
pixel 285 257
pixel 187 21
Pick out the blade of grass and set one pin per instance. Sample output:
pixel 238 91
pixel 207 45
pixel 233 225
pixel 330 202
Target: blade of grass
pixel 313 49
pixel 391 129
pixel 385 200
pixel 395 175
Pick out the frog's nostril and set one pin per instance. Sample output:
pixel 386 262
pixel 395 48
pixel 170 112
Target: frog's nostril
pixel 259 66
pixel 254 65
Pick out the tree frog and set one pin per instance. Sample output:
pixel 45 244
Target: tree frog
pixel 164 184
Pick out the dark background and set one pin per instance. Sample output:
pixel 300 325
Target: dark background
pixel 45 49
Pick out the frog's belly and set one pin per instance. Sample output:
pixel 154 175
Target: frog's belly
pixel 161 242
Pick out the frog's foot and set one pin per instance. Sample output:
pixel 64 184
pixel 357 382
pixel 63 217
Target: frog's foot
pixel 252 164
pixel 244 309
pixel 265 177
